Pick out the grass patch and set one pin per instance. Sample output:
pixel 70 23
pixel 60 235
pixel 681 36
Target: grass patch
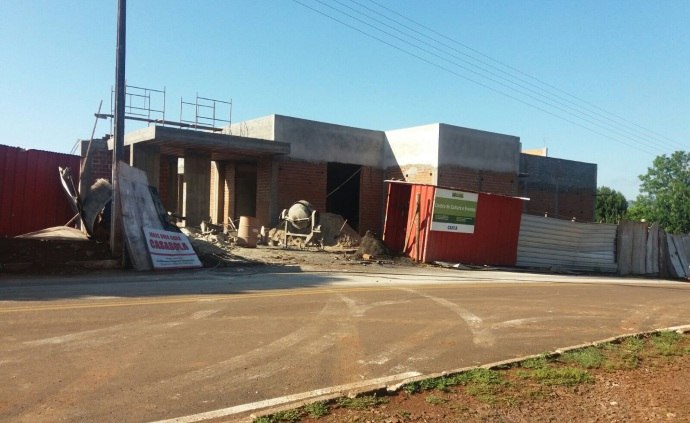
pixel 361 403
pixel 558 376
pixel 316 409
pixel 536 362
pixel 623 355
pixel 281 416
pixel 667 343
pixel 587 358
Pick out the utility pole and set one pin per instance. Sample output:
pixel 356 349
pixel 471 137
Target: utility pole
pixel 119 128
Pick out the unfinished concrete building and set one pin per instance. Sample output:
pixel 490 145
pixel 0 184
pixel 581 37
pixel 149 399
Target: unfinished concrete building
pixel 261 166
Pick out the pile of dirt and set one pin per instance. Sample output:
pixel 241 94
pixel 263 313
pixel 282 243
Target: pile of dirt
pixel 213 248
pixel 336 231
pixel 372 246
pixel 53 250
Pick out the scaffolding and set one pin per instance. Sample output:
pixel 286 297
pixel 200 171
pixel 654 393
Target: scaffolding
pixel 207 111
pixel 148 105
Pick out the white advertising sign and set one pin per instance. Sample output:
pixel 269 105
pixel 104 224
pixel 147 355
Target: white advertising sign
pixel 170 250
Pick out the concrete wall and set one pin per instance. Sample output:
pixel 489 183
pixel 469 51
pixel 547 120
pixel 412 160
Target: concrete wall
pixel 557 187
pixel 314 141
pixel 262 128
pixel 324 142
pixel 411 154
pixel 480 150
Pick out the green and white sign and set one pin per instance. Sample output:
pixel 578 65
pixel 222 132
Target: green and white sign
pixel 454 211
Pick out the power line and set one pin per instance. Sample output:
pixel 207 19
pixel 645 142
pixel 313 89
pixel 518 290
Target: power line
pixel 496 78
pixel 651 132
pixel 484 71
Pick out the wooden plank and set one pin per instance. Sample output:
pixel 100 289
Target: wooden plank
pixel 138 211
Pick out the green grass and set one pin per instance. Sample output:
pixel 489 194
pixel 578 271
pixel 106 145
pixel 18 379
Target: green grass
pixel 361 403
pixel 281 416
pixel 316 409
pixel 667 343
pixel 587 358
pixel 558 376
pixel 494 386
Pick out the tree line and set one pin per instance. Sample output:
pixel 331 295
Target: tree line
pixel 664 196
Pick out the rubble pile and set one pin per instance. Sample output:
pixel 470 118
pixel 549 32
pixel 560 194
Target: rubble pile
pixel 371 246
pixel 212 247
pixel 336 231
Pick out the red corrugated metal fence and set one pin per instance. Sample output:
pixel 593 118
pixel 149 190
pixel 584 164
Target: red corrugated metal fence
pixel 31 196
pixel 494 240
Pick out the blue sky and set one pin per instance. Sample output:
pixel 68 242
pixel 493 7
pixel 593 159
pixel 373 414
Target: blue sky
pixel 628 60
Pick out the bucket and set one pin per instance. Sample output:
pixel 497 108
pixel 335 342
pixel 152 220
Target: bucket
pixel 247 233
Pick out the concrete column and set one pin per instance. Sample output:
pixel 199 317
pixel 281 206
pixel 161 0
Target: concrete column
pixel 148 159
pixel 217 192
pixel 197 190
pixel 229 192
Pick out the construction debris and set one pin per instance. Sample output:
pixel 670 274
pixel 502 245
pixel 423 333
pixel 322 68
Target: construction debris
pixel 371 246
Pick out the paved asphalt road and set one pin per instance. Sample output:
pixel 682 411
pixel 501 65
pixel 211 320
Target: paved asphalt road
pixel 150 347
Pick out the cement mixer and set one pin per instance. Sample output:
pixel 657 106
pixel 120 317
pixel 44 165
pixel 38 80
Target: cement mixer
pixel 302 222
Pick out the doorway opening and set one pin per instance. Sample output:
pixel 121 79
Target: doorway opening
pixel 245 190
pixel 343 189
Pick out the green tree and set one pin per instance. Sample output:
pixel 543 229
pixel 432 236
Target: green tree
pixel 665 193
pixel 611 206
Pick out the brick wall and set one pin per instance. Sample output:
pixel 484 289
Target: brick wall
pixel 371 200
pixel 578 204
pixel 263 191
pixel 301 180
pixel 560 188
pixel 229 192
pixel 478 180
pixel 101 160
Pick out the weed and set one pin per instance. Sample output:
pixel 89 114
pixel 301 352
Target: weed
pixel 285 416
pixel 535 363
pixel 666 343
pixel 624 355
pixel 564 376
pixel 588 358
pixel 262 419
pixel 361 403
pixel 411 388
pixel 478 376
pixel 434 400
pixel 316 409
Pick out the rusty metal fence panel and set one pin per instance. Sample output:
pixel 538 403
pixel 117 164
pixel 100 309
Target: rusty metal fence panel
pixel 549 243
pixel 31 196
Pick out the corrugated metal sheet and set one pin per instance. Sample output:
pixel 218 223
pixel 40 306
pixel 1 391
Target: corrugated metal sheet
pixel 679 255
pixel 494 240
pixel 31 196
pixel 562 244
pixel 395 225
